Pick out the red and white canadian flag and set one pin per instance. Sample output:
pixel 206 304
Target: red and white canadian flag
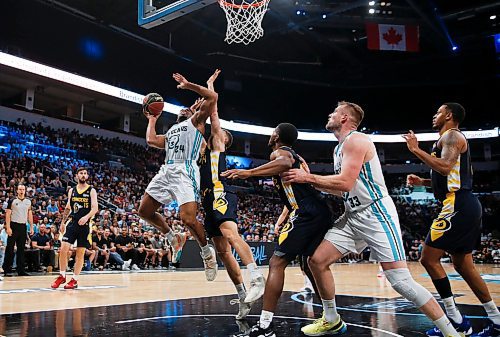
pixel 392 37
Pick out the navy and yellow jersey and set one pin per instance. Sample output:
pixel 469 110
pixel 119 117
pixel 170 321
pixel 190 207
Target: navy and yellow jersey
pixel 213 186
pixel 459 178
pixel 292 194
pixel 80 203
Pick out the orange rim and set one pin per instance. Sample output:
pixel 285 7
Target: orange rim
pixel 227 4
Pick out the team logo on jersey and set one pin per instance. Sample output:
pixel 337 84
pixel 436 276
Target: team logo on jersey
pixel 77 207
pixel 287 228
pixel 173 141
pixel 220 204
pixel 440 226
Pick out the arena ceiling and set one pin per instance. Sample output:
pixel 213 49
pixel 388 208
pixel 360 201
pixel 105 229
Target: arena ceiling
pixel 301 67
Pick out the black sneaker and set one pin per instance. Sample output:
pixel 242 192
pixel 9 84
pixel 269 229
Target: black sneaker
pixel 257 331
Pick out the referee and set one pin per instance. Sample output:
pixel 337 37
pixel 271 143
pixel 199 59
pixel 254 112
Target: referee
pixel 18 213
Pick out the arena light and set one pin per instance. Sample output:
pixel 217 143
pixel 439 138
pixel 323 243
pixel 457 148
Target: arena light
pixel 106 89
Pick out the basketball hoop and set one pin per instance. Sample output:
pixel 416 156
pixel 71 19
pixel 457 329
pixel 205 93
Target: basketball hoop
pixel 244 20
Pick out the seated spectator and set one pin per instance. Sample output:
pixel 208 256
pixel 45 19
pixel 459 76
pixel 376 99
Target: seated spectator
pixel 41 241
pixel 125 247
pixel 114 257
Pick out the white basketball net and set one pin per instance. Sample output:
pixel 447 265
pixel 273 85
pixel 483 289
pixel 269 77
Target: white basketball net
pixel 244 20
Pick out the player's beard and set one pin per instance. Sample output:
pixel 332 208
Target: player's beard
pixel 82 181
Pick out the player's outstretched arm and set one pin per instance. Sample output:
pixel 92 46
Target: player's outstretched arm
pixel 281 161
pixel 214 116
pixel 209 102
pixel 452 143
pixel 355 150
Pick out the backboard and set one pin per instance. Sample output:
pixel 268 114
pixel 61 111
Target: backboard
pixel 152 13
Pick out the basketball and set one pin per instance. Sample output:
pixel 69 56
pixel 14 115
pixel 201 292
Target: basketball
pixel 152 104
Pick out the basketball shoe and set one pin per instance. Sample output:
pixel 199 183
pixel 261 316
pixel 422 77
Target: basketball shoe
pixel 58 281
pixel 177 244
pixel 243 308
pixel 257 286
pixel 72 284
pixel 464 328
pixel 210 264
pixel 322 327
pixel 491 330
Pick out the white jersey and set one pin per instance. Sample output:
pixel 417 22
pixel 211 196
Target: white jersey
pixel 369 186
pixel 182 143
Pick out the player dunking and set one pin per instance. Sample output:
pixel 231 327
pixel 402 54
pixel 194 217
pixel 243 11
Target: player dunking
pixel 179 178
pixel 309 219
pixel 82 205
pixel 220 204
pixel 370 220
pixel 457 228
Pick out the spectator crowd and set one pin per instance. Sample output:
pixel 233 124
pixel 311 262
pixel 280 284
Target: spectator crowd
pixel 44 159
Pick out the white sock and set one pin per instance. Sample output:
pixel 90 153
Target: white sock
pixel 266 317
pixel 242 293
pixel 492 311
pixel 445 326
pixel 170 236
pixel 254 270
pixel 205 251
pixel 330 310
pixel 451 310
pixel 75 277
pixel 63 273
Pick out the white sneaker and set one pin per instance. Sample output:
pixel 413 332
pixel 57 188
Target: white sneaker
pixel 1 278
pixel 177 244
pixel 126 265
pixel 257 286
pixel 134 267
pixel 211 266
pixel 243 310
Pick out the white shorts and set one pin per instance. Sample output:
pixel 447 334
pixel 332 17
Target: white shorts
pixel 179 182
pixel 376 226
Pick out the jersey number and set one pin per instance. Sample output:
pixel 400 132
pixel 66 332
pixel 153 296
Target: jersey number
pixel 354 202
pixel 173 144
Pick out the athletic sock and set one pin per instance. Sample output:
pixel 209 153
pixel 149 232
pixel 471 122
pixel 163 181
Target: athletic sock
pixel 75 277
pixel 266 317
pixel 170 236
pixel 444 325
pixel 254 270
pixel 330 310
pixel 205 251
pixel 63 274
pixel 492 311
pixel 451 310
pixel 242 292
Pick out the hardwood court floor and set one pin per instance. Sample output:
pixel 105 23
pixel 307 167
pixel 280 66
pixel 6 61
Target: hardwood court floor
pixel 183 303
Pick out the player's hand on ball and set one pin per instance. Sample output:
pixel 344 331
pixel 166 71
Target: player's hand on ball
pixel 181 80
pixel 413 180
pixel 411 141
pixel 295 176
pixel 150 116
pixel 236 174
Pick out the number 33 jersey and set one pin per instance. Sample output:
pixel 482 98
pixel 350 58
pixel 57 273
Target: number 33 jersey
pixel 370 183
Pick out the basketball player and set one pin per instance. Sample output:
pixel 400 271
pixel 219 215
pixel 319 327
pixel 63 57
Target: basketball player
pixel 179 178
pixel 82 204
pixel 370 220
pixel 220 204
pixel 458 227
pixel 308 221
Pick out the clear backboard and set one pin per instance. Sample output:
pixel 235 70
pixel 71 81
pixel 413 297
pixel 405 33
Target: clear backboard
pixel 152 13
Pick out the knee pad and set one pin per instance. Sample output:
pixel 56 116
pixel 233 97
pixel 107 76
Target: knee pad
pixel 402 281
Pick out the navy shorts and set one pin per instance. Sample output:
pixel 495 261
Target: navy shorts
pixel 218 211
pixel 457 229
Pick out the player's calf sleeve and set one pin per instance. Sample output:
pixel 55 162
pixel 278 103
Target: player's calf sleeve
pixel 402 281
